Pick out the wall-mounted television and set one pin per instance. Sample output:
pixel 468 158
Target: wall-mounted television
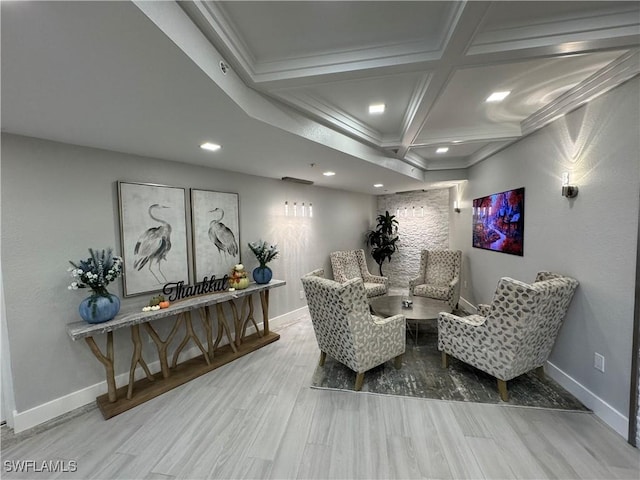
pixel 498 222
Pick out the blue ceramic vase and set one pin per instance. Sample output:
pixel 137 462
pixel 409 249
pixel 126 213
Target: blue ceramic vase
pixel 262 275
pixel 99 307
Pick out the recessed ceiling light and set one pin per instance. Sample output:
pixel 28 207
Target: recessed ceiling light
pixel 210 146
pixel 442 150
pixel 378 185
pixel 329 174
pixel 377 108
pixel 497 96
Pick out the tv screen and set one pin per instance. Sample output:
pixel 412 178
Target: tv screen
pixel 498 222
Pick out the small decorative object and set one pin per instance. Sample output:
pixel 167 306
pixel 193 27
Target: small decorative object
pixel 239 278
pixel 95 273
pixel 406 303
pixel 157 301
pixel 264 253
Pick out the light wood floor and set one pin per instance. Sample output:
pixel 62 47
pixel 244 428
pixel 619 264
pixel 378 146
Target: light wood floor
pixel 258 418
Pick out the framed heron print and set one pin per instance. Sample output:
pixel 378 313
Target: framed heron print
pixel 215 233
pixel 153 236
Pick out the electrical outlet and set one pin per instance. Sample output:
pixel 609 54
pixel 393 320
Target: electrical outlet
pixel 301 294
pixel 598 362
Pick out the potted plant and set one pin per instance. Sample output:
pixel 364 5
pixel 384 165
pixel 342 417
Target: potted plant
pixel 264 252
pixel 95 273
pixel 383 239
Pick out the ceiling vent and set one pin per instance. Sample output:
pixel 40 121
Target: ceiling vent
pixel 297 180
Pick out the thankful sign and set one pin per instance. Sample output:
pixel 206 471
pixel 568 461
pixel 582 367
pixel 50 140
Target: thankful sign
pixel 177 290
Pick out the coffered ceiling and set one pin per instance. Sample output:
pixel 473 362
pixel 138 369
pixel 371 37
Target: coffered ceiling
pixel 285 87
pixel 432 64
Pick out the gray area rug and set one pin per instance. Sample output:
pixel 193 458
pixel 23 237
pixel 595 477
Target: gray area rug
pixel 421 375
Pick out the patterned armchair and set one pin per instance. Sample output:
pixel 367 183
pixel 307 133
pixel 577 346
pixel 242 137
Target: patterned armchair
pixel 352 264
pixel 345 328
pixel 439 276
pixel 513 335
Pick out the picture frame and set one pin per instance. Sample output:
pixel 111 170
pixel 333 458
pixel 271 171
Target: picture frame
pixel 498 222
pixel 153 236
pixel 215 233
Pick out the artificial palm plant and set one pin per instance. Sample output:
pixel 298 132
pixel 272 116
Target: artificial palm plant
pixel 383 239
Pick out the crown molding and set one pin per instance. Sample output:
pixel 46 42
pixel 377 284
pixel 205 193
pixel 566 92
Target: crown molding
pixel 222 28
pixel 332 115
pixel 349 61
pixel 417 97
pixel 620 70
pixel 488 150
pixel 469 135
pixel 622 23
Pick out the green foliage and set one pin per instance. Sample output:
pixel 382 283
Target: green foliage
pixel 264 252
pixel 383 239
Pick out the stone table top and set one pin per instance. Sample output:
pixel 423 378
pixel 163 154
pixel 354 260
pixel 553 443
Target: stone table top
pixel 133 315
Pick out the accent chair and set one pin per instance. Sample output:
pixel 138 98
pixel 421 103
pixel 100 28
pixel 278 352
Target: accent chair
pixel 515 333
pixel 345 328
pixel 350 264
pixel 438 276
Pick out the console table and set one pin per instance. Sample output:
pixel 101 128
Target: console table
pixel 172 374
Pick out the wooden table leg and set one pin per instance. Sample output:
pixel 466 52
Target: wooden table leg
pixel 107 361
pixel 163 345
pixel 245 319
pixel 223 326
pixel 189 334
pixel 264 298
pixel 136 359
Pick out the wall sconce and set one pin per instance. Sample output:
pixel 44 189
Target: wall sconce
pixel 569 191
pixel 302 211
pixel 456 206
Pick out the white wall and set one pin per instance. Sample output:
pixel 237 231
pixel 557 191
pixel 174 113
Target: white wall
pixel 592 237
pixel 58 200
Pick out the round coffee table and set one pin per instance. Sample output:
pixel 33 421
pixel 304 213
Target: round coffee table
pixel 423 309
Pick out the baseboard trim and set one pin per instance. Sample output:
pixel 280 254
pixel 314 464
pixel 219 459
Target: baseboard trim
pixel 609 415
pixel 40 414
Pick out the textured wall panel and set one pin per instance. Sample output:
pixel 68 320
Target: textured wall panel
pixel 428 227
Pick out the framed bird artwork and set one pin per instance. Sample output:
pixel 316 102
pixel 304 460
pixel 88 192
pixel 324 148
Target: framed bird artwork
pixel 215 233
pixel 153 236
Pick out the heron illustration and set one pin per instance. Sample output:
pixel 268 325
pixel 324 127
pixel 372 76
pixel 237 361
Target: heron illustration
pixel 221 236
pixel 153 245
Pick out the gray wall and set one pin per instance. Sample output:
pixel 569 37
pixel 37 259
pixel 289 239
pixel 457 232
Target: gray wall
pixel 58 200
pixel 416 232
pixel 592 237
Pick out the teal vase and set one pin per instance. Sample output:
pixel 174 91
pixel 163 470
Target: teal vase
pixel 99 307
pixel 262 275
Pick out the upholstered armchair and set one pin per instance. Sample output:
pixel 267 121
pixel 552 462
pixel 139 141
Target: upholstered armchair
pixel 352 264
pixel 513 335
pixel 438 276
pixel 345 328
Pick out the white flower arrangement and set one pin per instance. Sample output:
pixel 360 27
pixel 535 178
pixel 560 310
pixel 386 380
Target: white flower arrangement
pixel 96 272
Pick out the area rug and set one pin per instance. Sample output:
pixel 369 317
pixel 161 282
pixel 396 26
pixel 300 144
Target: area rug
pixel 421 375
